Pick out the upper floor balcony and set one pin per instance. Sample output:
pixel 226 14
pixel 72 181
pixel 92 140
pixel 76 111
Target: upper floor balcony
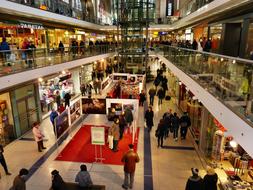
pixel 25 61
pixel 222 84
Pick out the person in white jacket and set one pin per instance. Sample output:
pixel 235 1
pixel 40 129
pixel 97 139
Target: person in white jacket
pixel 38 136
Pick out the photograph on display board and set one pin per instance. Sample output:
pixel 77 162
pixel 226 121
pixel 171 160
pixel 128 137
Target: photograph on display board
pixel 62 123
pixel 130 106
pixel 94 106
pixel 116 106
pixel 117 77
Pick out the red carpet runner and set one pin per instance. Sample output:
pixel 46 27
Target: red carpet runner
pixel 80 149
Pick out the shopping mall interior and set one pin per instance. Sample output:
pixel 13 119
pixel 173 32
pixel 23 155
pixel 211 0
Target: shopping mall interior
pixel 126 94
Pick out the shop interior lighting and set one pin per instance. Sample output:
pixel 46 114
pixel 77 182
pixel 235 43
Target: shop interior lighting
pixel 194 98
pixel 63 72
pixel 40 79
pixel 221 59
pixel 233 144
pixel 49 59
pixel 234 61
pixel 180 83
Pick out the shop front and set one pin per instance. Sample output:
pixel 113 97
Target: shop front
pixel 231 162
pixel 188 102
pixel 17 32
pixel 49 89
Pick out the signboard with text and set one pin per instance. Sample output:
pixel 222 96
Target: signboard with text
pixel 98 135
pixel 169 8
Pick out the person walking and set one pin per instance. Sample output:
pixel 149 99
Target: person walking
pixel 83 177
pixel 129 116
pixel 53 115
pixel 185 123
pixel 149 116
pixel 130 158
pixel 195 182
pixel 58 99
pixel 167 122
pixel 57 181
pixel 152 93
pixel 67 98
pixel 61 48
pixel 210 179
pixel 175 126
pixel 38 136
pixel 161 95
pixel 160 131
pixel 19 180
pixel 122 124
pixel 2 160
pixel 89 90
pixel 114 131
pixel 142 97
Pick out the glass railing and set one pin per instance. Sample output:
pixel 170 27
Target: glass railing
pixel 193 6
pixel 229 79
pixel 63 8
pixel 13 61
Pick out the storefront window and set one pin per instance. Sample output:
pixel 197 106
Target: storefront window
pixel 187 102
pixel 7 133
pixel 215 35
pixel 250 42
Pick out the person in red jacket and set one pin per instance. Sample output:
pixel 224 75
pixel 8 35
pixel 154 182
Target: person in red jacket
pixel 130 158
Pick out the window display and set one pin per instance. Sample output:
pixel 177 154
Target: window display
pixel 6 120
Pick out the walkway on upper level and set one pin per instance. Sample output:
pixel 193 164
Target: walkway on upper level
pixel 222 84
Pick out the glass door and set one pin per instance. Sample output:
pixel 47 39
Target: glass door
pixel 32 111
pixel 23 117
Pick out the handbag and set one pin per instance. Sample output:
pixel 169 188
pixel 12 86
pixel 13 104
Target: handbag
pixel 167 97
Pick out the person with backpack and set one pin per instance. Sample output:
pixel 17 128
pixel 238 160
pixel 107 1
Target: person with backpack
pixel 156 82
pixel 185 123
pixel 175 125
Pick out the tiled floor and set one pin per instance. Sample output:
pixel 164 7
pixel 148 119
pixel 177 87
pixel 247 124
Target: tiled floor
pixel 170 166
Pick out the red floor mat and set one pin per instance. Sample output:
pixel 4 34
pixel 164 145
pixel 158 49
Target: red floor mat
pixel 80 149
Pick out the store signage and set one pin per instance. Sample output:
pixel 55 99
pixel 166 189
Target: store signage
pixel 31 25
pixel 219 125
pixel 169 8
pixel 98 135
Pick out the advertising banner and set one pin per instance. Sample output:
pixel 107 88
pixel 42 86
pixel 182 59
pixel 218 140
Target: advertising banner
pixel 98 135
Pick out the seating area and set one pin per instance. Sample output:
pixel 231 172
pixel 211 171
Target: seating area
pixel 74 186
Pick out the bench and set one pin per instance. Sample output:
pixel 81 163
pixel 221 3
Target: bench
pixel 75 186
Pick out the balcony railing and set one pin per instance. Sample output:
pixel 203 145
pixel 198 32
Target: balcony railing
pixel 228 79
pixel 13 61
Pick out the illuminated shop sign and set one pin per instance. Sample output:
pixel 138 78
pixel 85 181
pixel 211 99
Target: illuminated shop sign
pixel 31 25
pixel 169 8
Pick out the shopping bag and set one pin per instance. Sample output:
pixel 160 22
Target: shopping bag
pixel 110 141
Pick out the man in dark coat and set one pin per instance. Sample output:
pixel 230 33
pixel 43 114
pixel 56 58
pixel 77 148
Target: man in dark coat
pixel 149 116
pixel 185 123
pixel 152 93
pixel 195 182
pixel 2 160
pixel 67 98
pixel 57 181
pixel 167 121
pixel 122 125
pixel 160 132
pixel 161 95
pixel 142 97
